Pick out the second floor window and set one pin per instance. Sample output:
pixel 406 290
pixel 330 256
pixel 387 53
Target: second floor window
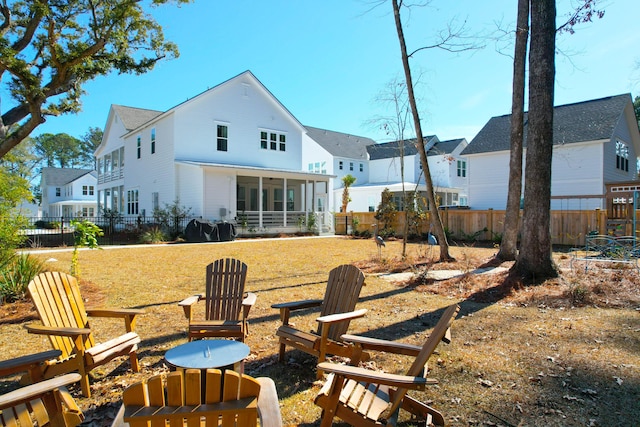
pixel 222 138
pixel 139 147
pixel 622 156
pixel 57 191
pixel 273 140
pixel 350 166
pixel 361 167
pixel 462 168
pixel 153 141
pixel 87 190
pixel 340 165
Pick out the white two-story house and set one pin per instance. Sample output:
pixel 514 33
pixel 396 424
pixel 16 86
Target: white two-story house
pixel 233 152
pixel 595 143
pixel 447 167
pixel 68 192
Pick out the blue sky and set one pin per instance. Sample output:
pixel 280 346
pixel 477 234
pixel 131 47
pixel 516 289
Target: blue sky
pixel 328 60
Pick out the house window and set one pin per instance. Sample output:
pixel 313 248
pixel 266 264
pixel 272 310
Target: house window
pixel 241 204
pixel 273 138
pixel 291 197
pixel 85 190
pixel 310 167
pixel 283 143
pixel 278 203
pixel 155 201
pixel 317 167
pixel 361 167
pixel 263 140
pixel 121 157
pixel 138 147
pixel 87 212
pixel 462 168
pixel 340 165
pixel 351 166
pixel 622 156
pixel 132 202
pixel 222 137
pixel 153 141
pixel 57 191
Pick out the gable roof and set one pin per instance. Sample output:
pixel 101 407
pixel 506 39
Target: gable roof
pixel 580 122
pixel 340 144
pixel 444 147
pixel 139 115
pixel 132 118
pixel 389 150
pixel 64 176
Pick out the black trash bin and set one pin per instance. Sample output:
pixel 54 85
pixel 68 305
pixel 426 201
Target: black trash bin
pixel 226 231
pixel 201 231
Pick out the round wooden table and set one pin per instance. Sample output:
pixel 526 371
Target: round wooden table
pixel 208 354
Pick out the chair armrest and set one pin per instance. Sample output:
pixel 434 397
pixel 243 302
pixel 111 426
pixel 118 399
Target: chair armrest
pixel 382 345
pixel 249 300
pixel 341 317
pixel 26 363
pixel 268 405
pixel 376 377
pixel 298 305
pixel 62 332
pixel 190 300
pixel 114 312
pixel 33 391
pixel 128 314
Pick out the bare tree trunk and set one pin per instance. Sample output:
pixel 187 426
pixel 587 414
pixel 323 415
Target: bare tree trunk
pixel 509 244
pixel 534 261
pixel 433 207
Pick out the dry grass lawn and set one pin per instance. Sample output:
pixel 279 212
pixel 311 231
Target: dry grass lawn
pixel 566 353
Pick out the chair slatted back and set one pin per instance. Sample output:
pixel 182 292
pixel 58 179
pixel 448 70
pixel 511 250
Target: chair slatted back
pixel 182 398
pixel 341 296
pixel 225 289
pixel 419 365
pixel 59 304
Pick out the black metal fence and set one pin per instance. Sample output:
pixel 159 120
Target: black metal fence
pixel 118 230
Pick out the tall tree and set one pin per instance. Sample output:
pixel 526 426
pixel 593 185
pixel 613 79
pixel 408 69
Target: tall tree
pixel 89 144
pixel 509 244
pixel 534 262
pixel 584 12
pixel 49 49
pixel 59 150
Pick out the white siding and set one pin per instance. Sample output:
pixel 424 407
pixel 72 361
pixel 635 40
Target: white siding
pixel 189 185
pixel 219 193
pixel 151 173
pixel 576 169
pixel 243 106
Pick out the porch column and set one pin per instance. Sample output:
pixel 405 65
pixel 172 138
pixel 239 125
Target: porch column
pixel 260 202
pixel 284 201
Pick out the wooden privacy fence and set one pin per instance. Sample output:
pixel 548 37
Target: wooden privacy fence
pixel 568 227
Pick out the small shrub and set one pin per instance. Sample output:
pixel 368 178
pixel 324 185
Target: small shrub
pixel 153 235
pixel 16 275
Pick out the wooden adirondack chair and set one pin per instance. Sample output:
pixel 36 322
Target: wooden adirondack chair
pixel 336 312
pixel 226 303
pixel 64 319
pixel 362 397
pixel 186 398
pixel 43 403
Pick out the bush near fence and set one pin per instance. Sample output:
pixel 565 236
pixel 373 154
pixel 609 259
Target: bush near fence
pixel 568 227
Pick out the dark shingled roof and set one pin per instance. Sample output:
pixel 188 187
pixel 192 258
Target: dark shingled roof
pixel 583 121
pixel 63 176
pixel 341 144
pixel 133 118
pixel 389 150
pixel 444 147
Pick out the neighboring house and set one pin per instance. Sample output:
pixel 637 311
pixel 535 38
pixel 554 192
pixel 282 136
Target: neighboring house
pixel 595 142
pixel 68 192
pixel 338 154
pixel 447 167
pixel 233 152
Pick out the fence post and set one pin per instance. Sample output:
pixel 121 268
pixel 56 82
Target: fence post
pixel 490 228
pixel 62 231
pixel 111 227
